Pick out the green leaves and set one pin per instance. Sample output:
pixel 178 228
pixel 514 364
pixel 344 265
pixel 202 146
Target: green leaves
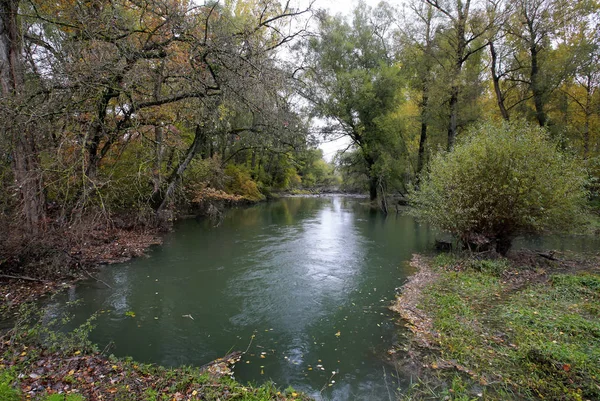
pixel 502 180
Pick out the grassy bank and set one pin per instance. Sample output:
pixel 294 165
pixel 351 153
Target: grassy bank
pixel 40 361
pixel 526 328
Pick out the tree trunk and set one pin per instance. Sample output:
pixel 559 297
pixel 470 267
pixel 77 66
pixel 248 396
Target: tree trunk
pixel 453 123
pixel 163 201
pixel 158 135
pixel 588 115
pixel 373 179
pixel 425 96
pixel 461 45
pixel 97 132
pixel 26 167
pixel 537 88
pixel 373 188
pixel 496 80
pixel 422 142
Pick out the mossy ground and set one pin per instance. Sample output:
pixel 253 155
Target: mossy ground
pixel 512 330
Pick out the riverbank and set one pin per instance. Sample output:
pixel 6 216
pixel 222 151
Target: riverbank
pixel 40 363
pixel 527 327
pixel 63 255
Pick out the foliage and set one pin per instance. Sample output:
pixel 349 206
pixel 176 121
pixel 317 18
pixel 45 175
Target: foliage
pixel 353 82
pixel 502 180
pixel 7 391
pixel 315 171
pixel 240 183
pixel 37 326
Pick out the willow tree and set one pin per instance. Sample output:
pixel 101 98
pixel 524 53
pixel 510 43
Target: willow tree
pixel 500 181
pixel 351 80
pixel 466 27
pixel 538 51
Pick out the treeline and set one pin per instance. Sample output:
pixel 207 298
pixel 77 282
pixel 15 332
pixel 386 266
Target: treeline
pixel 133 107
pixel 141 107
pixel 403 84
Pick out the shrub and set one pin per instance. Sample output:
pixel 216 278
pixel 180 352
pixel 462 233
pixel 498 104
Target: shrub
pixel 500 181
pixel 241 183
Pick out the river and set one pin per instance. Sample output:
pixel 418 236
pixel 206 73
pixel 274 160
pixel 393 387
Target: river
pixel 303 283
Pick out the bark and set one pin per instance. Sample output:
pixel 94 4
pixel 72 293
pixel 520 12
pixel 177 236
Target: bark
pixel 178 172
pixel 453 123
pixel 373 188
pixel 496 80
pixel 158 136
pixel 537 88
pixel 26 168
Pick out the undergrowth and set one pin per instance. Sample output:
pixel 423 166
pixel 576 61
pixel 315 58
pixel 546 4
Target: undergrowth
pixel 501 337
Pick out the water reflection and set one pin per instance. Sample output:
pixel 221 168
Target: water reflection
pixel 309 278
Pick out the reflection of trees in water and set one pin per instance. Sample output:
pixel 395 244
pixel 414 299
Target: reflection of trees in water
pixel 283 211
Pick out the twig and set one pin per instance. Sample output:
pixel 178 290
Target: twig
pixel 327 382
pixel 95 278
pixel 107 348
pixel 549 256
pixel 22 278
pixel 250 343
pixel 386 384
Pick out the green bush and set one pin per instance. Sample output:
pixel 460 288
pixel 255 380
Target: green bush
pixel 502 180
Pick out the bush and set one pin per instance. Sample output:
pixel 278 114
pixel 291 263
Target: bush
pixel 241 183
pixel 502 180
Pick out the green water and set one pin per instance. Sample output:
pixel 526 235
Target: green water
pixel 295 273
pixel 311 278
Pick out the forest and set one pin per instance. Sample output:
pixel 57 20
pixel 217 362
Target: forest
pixel 147 109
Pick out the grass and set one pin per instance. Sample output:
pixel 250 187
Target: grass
pixel 37 354
pixel 504 338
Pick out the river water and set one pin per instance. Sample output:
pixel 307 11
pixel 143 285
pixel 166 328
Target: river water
pixel 303 283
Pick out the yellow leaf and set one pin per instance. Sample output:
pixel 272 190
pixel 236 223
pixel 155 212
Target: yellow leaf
pixel 338 334
pixel 77 352
pixel 71 371
pixel 194 392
